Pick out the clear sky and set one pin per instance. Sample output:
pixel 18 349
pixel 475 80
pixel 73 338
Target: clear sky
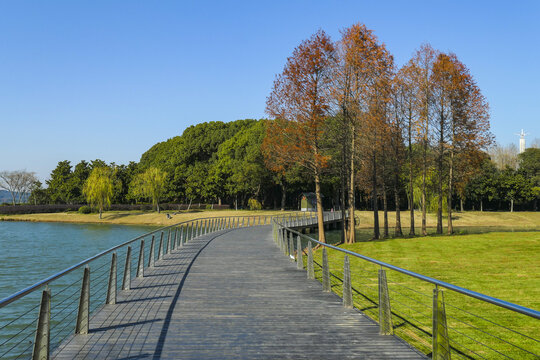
pixel 109 79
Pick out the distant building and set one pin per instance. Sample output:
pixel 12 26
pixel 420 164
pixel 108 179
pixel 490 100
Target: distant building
pixel 308 201
pixel 522 141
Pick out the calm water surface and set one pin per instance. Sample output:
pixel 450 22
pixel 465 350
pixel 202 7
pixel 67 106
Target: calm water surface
pixel 32 251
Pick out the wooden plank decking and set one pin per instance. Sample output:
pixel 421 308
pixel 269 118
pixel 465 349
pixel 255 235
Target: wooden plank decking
pixel 230 295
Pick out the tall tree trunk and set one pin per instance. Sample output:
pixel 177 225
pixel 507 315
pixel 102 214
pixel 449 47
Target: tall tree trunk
pixel 411 187
pixel 320 218
pixel 440 169
pixel 424 207
pixel 100 212
pixel 385 211
pixel 352 237
pixel 283 194
pixel 376 231
pixel 512 205
pixel 342 207
pixel 450 184
pixel 397 230
pixel 481 205
pixel 461 204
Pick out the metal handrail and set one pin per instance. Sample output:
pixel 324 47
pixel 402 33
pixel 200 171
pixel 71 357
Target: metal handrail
pixel 41 283
pixel 492 300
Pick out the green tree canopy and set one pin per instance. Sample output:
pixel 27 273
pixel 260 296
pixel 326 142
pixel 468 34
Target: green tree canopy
pixel 150 184
pixel 98 188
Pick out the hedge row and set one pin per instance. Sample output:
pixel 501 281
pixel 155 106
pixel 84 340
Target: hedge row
pixel 54 208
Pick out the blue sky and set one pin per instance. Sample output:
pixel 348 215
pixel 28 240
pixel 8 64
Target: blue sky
pixel 103 79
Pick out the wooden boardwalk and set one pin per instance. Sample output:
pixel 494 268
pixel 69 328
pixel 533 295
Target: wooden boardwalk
pixel 230 295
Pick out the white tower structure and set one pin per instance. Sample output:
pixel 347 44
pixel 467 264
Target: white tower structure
pixel 522 140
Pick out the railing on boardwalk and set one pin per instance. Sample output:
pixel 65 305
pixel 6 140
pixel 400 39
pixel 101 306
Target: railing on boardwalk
pixel 440 319
pixel 60 305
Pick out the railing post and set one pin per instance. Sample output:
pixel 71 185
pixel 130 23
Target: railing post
pixel 160 247
pixel 299 260
pixel 347 287
pixel 228 224
pixel 111 289
pixel 83 315
pixel 190 232
pixel 43 334
pixel 325 271
pixel 151 254
pixel 181 236
pixel 385 312
pixel 140 264
pixel 310 268
pixel 168 243
pixel 243 217
pixel 291 246
pixel 441 342
pixel 126 282
pixel 175 242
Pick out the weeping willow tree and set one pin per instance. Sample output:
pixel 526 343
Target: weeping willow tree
pixel 98 188
pixel 150 184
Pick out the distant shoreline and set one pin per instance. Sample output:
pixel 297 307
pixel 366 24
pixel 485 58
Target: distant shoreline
pixel 150 218
pixel 530 220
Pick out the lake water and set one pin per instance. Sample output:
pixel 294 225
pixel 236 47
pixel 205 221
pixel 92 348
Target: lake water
pixel 30 252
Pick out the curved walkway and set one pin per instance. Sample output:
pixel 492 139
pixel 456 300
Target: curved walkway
pixel 230 295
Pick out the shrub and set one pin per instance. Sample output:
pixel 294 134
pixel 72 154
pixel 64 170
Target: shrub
pixel 85 209
pixel 253 204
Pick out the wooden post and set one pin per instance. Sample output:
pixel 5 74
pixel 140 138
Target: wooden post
pixel 181 236
pixel 140 264
pixel 151 255
pixel 111 289
pixel 126 282
pixel 43 332
pixel 325 271
pixel 291 246
pixel 160 248
pixel 310 268
pixel 168 243
pixel 441 341
pixel 83 315
pixel 299 259
pixel 347 287
pixel 385 312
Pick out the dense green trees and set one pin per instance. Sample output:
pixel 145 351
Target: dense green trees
pixel 235 170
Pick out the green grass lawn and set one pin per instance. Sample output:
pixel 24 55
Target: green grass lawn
pixel 505 265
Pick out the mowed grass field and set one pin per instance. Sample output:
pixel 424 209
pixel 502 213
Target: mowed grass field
pixel 505 265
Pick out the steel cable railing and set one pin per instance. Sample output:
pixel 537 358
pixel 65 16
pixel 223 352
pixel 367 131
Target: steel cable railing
pixel 35 327
pixel 438 318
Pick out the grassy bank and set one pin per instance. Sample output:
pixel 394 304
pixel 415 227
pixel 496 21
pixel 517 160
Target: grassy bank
pixel 502 265
pixel 133 217
pixel 518 220
pixel 525 219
